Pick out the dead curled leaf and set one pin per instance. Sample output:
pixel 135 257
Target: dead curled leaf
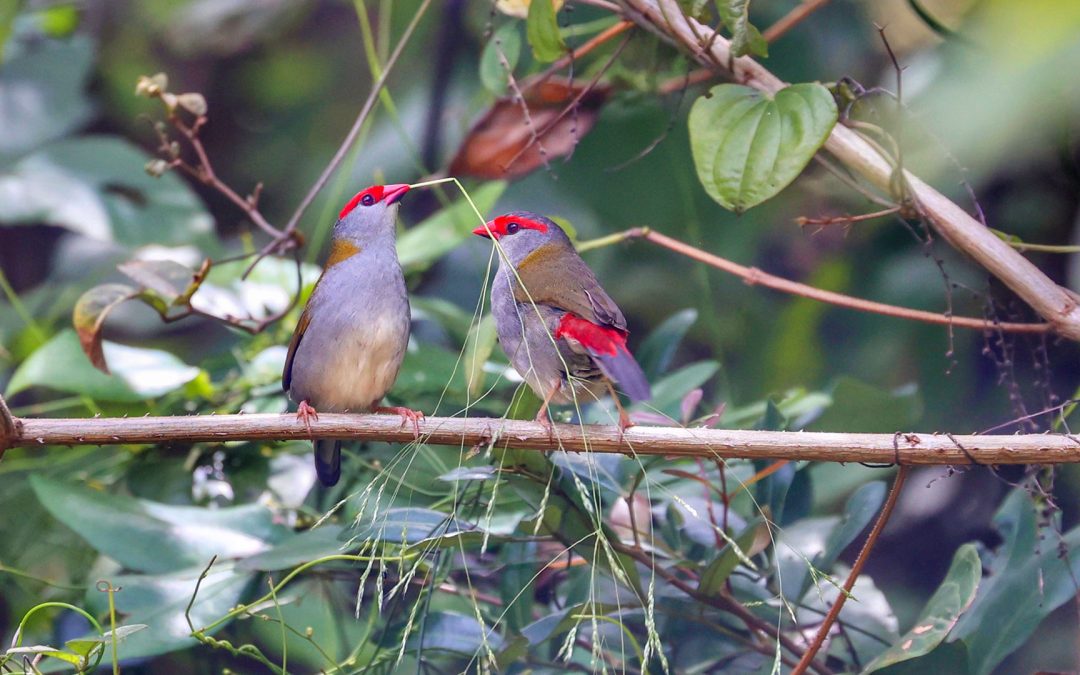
pixel 89 316
pixel 506 143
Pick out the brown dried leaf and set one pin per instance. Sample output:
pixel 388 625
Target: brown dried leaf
pixel 89 316
pixel 505 144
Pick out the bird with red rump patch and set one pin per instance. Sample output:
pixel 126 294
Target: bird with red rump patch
pixel 558 327
pixel 351 338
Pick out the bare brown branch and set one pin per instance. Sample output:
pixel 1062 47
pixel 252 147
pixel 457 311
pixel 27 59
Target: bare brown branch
pixel 756 277
pixel 927 449
pixel 1051 301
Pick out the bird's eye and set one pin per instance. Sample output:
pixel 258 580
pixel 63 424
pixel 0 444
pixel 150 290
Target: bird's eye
pixel 511 228
pixel 367 200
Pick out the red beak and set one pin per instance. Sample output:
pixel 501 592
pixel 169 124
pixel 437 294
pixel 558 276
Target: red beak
pixel 483 231
pixel 393 193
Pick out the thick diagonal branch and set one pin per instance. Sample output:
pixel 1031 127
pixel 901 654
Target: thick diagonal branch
pixel 1051 301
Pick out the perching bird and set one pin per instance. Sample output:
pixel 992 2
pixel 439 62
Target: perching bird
pixel 351 338
pixel 573 341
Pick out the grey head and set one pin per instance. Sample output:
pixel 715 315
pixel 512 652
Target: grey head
pixel 370 215
pixel 519 233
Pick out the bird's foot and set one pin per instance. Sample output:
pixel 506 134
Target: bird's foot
pixel 543 420
pixel 624 423
pixel 407 415
pixel 305 413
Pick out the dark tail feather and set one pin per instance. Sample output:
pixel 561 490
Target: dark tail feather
pixel 328 461
pixel 626 373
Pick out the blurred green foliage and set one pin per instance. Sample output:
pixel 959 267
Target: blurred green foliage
pixel 452 559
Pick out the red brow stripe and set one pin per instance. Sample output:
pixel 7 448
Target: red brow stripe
pixel 598 339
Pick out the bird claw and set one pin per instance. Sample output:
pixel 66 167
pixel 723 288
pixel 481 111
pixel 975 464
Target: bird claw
pixel 543 420
pixel 624 423
pixel 407 415
pixel 306 413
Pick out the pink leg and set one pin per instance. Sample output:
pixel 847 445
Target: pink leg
pixel 542 416
pixel 624 418
pixel 305 413
pixel 407 415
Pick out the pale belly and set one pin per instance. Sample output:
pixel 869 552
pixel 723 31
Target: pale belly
pixel 350 367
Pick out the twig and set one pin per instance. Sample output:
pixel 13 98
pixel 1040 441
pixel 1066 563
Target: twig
pixel 963 232
pixel 856 569
pixel 792 19
pixel 754 276
pixel 922 449
pixel 599 39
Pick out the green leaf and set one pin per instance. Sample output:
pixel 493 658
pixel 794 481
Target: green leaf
pixel 436 236
pixel 453 632
pixel 505 43
pixel 669 391
pixel 516 582
pixel 657 350
pixel 942 611
pixel 745 38
pixel 138 374
pixel 297 549
pixel 97 186
pixel 861 407
pixel 410 525
pixel 859 511
pixel 159 601
pixel 478 348
pixel 713 578
pixel 1030 578
pixel 42 97
pixel 152 537
pixel 542 30
pixel 949 657
pixel 747 146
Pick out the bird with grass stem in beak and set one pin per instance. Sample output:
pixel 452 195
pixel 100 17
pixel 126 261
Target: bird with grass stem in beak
pixel 351 338
pixel 560 330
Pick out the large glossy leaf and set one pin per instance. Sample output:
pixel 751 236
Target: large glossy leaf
pixel 159 601
pixel 861 407
pixel 942 611
pixel 97 186
pixel 42 98
pixel 153 537
pixel 421 245
pixel 409 525
pixel 747 146
pixel 669 391
pixel 859 511
pixel 1029 579
pixel 656 352
pixel 297 549
pixel 138 373
pixel 454 632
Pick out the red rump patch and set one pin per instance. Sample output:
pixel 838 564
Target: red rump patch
pixel 375 191
pixel 597 339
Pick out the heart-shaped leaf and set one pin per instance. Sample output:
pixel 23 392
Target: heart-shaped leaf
pixel 748 146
